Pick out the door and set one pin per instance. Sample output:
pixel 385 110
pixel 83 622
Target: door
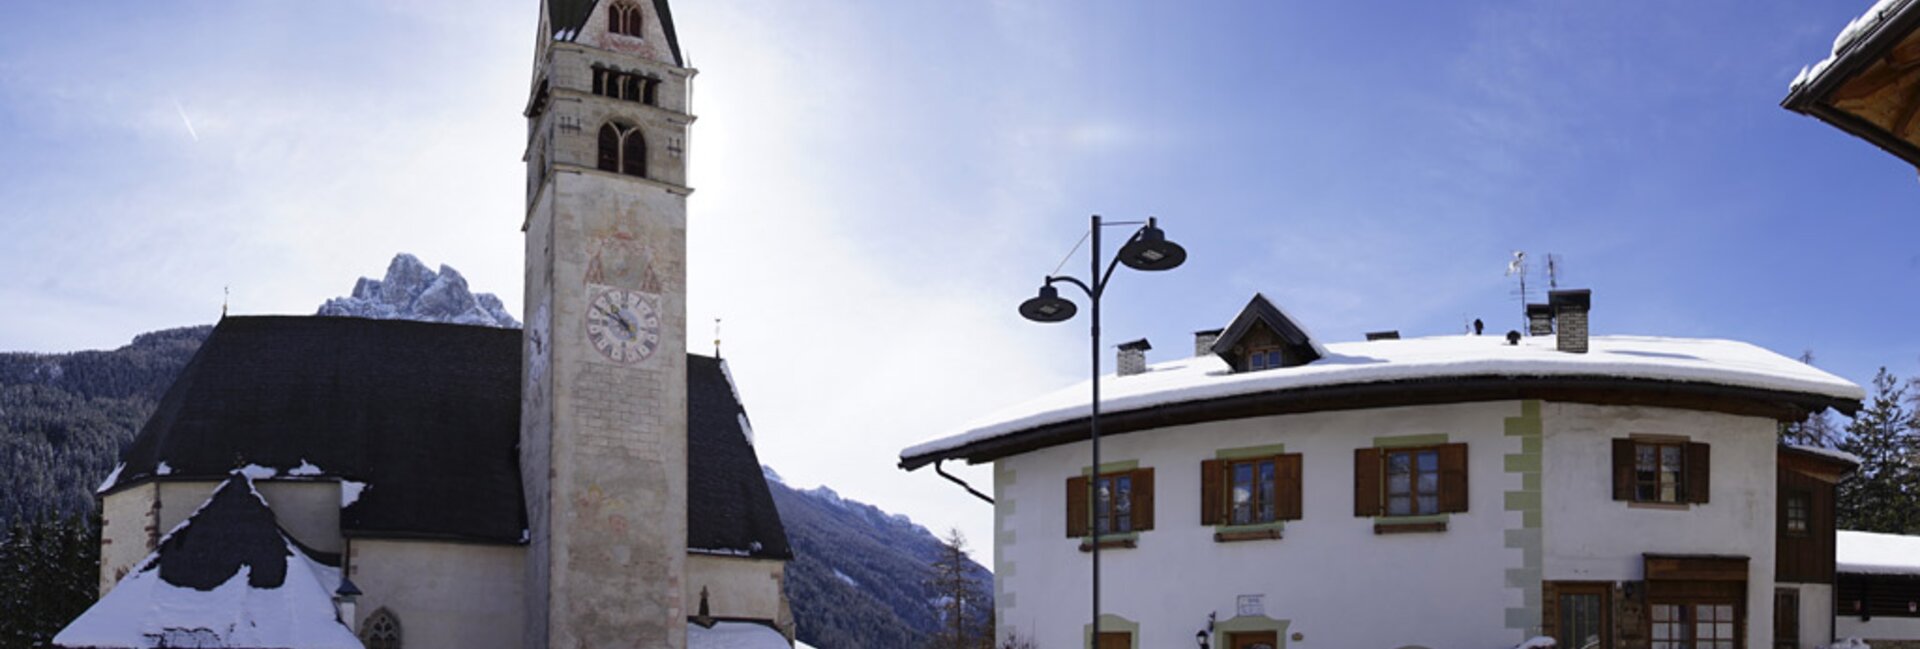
pixel 1786 618
pixel 1256 640
pixel 1115 640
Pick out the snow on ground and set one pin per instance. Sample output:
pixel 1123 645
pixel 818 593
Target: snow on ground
pixel 734 635
pixel 1694 360
pixel 1876 553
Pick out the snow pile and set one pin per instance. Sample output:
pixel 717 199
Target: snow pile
pixel 412 292
pixel 1876 553
pixel 1538 642
pixel 111 478
pixel 1857 28
pixel 734 635
pixel 1850 643
pixel 1690 360
pixel 350 492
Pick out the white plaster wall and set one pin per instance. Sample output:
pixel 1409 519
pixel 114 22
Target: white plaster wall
pixel 1816 614
pixel 127 524
pixel 1340 585
pixel 445 594
pixel 307 509
pixel 736 586
pixel 1590 536
pixel 1879 628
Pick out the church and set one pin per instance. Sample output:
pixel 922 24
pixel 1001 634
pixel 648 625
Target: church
pixel 582 482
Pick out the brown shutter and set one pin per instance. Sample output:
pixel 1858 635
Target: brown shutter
pixel 1078 514
pixel 1698 472
pixel 1453 477
pixel 1213 488
pixel 1623 469
pixel 1366 482
pixel 1143 499
pixel 1286 469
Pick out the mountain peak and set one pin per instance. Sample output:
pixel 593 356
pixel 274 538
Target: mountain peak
pixel 411 291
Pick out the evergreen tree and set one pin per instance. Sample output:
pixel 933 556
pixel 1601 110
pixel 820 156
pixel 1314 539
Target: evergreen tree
pixel 966 621
pixel 50 567
pixel 1881 495
pixel 1818 429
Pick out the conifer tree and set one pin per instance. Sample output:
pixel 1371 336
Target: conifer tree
pixel 1881 495
pixel 1818 429
pixel 965 617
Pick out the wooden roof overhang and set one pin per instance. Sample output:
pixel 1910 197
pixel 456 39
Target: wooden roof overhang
pixel 1597 390
pixel 1819 466
pixel 1871 88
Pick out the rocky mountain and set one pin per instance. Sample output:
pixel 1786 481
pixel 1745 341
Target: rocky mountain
pixel 859 574
pixel 410 291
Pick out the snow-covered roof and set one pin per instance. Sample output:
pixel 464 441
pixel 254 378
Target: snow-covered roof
pixel 1668 361
pixel 1855 29
pixel 1828 452
pixel 735 635
pixel 1876 554
pixel 226 577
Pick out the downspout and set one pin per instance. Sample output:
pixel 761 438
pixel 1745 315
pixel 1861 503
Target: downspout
pixel 963 484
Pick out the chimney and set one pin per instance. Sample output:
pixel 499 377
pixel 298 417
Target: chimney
pixel 1383 335
pixel 1570 309
pixel 1539 320
pixel 1133 357
pixel 1203 341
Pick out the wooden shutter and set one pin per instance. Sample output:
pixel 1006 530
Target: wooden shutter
pixel 1079 515
pixel 1213 492
pixel 1286 469
pixel 1623 469
pixel 1143 499
pixel 1698 472
pixel 1366 482
pixel 1453 477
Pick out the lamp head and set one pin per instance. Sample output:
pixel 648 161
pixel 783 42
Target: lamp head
pixel 1150 250
pixel 1048 306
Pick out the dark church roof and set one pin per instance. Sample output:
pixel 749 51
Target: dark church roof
pixel 427 415
pixel 566 17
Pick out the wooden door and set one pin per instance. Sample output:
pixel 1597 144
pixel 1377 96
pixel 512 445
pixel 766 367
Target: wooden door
pixel 1115 640
pixel 1257 640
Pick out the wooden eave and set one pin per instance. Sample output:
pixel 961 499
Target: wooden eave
pixel 1595 390
pixel 1819 466
pixel 1872 88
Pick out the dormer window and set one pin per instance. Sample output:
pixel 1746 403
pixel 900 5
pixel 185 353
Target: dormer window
pixel 625 18
pixel 1264 358
pixel 1263 337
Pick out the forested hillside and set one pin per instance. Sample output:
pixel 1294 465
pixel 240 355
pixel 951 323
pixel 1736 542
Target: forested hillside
pixel 65 417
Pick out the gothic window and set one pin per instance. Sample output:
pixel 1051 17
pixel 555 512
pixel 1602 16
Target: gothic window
pixel 630 87
pixel 381 630
pixel 623 149
pixel 624 18
pixel 647 96
pixel 610 148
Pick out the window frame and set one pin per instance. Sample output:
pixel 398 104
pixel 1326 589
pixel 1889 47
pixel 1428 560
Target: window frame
pixel 1413 495
pixel 1689 623
pixel 1564 589
pixel 1659 448
pixel 1080 512
pixel 1787 519
pixel 1256 505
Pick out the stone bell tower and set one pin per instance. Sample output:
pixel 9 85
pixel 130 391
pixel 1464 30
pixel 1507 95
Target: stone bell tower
pixel 603 438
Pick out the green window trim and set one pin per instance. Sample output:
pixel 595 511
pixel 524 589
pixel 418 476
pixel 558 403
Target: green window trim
pixel 1111 467
pixel 1249 452
pixel 1409 441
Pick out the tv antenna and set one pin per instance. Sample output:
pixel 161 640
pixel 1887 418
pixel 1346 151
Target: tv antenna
pixel 1554 266
pixel 1517 268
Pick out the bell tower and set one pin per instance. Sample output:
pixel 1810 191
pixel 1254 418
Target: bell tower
pixel 603 438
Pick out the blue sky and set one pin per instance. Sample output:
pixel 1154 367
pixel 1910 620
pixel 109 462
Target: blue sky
pixel 879 182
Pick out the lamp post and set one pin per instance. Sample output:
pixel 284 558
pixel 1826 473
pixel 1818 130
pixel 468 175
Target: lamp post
pixel 1148 249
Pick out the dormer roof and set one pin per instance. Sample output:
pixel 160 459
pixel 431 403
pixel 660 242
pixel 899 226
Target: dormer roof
pixel 1262 314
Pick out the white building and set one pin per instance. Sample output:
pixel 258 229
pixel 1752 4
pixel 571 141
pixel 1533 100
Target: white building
pixel 1879 589
pixel 1446 492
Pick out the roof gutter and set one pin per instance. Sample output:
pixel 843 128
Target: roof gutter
pixel 956 480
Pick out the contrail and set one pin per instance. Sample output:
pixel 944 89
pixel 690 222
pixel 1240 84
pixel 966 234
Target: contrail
pixel 188 122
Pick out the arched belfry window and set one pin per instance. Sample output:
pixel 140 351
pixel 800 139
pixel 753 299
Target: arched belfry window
pixel 624 18
pixel 381 630
pixel 623 149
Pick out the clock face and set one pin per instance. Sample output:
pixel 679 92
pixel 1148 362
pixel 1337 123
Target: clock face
pixel 623 325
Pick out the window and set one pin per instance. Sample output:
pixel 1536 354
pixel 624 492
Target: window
pixel 622 150
pixel 1694 626
pixel 624 18
pixel 1416 481
pixel 1121 502
pixel 1579 614
pixel 1250 491
pixel 1798 515
pixel 1660 470
pixel 381 630
pixel 1263 359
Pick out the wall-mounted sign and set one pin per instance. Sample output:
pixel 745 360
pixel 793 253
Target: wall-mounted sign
pixel 1252 606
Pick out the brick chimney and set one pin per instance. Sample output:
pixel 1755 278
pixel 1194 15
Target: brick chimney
pixel 1133 357
pixel 1570 309
pixel 1539 320
pixel 1203 341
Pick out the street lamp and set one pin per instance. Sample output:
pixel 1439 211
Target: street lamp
pixel 1148 249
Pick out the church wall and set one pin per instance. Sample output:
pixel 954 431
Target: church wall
pixel 736 586
pixel 444 594
pixel 129 522
pixel 307 509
